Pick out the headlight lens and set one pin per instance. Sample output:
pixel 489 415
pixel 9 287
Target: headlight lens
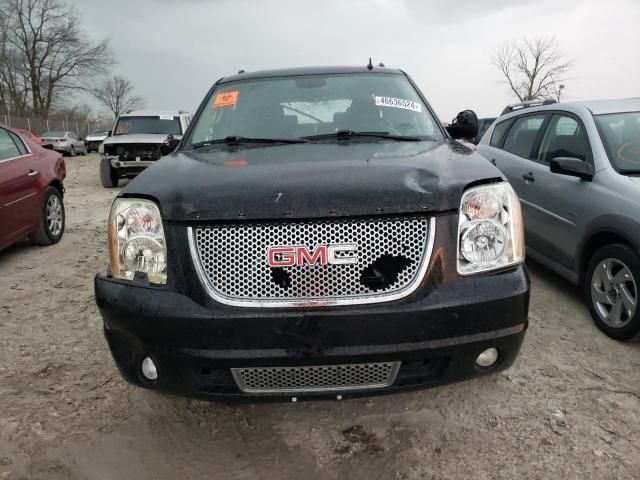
pixel 136 240
pixel 490 233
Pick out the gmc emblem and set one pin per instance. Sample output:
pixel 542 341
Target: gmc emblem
pixel 321 255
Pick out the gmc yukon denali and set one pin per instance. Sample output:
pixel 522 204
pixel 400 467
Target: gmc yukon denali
pixel 316 233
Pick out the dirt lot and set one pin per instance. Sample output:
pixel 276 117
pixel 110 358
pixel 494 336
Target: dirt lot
pixel 569 408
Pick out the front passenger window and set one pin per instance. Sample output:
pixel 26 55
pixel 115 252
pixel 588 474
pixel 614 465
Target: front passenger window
pixel 565 137
pixel 522 136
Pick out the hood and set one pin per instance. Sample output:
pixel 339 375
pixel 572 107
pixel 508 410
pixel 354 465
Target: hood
pixel 312 180
pixel 139 138
pixel 95 137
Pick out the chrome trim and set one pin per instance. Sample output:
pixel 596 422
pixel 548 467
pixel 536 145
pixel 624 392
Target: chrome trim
pixel 312 302
pixel 237 374
pixel 16 158
pixel 115 163
pixel 19 199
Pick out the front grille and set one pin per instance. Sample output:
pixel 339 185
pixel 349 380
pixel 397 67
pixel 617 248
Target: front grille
pixel 392 257
pixel 132 151
pixel 315 378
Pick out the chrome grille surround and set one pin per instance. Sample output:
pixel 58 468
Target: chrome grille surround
pixel 324 378
pixel 231 260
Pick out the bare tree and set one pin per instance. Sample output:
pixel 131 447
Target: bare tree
pixel 532 69
pixel 116 93
pixel 15 89
pixel 45 45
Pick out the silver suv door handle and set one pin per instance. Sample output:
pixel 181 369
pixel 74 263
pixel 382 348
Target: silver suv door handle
pixel 529 177
pixel 33 173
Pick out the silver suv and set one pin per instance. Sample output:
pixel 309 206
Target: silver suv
pixel 138 140
pixel 576 169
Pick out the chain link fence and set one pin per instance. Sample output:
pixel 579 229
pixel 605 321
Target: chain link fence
pixel 37 126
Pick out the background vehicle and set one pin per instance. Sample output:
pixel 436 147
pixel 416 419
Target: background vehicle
pixel 94 140
pixel 138 139
pixel 483 126
pixel 64 142
pixel 576 168
pixel 317 233
pixel 26 133
pixel 31 191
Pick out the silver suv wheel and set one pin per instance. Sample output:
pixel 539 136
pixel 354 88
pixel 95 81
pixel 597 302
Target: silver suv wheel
pixel 614 292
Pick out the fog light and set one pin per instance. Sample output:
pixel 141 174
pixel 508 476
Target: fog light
pixel 488 357
pixel 149 369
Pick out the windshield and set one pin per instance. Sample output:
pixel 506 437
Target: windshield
pixel 166 124
pixel 54 134
pixel 620 133
pixel 310 105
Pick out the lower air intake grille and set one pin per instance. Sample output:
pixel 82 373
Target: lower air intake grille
pixel 315 378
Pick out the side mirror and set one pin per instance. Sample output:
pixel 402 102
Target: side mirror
pixel 573 167
pixel 109 133
pixel 465 125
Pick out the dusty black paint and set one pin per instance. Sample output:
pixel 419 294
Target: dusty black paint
pixel 312 180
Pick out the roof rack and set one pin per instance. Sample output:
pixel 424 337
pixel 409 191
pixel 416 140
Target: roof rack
pixel 527 104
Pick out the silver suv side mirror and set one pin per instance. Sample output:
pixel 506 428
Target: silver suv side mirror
pixel 572 166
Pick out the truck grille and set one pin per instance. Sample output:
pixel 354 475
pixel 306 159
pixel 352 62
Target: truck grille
pixel 392 255
pixel 132 151
pixel 315 379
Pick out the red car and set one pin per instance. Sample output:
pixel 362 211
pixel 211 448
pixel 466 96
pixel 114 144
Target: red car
pixel 31 191
pixel 28 135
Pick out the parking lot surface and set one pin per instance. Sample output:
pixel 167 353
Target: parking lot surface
pixel 569 408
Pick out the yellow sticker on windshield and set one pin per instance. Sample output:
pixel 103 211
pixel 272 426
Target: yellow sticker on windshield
pixel 226 99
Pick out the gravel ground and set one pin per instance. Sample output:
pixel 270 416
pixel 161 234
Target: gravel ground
pixel 569 408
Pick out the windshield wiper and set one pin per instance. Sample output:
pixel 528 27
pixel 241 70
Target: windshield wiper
pixel 237 140
pixel 347 134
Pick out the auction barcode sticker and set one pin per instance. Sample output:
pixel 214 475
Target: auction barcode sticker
pixel 398 103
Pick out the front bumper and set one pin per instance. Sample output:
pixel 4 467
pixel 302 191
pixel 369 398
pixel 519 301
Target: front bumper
pixel 117 163
pixel 436 337
pixel 60 148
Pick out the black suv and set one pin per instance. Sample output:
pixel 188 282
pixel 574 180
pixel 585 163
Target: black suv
pixel 316 233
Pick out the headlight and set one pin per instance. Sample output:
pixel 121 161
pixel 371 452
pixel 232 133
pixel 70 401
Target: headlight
pixel 490 233
pixel 136 240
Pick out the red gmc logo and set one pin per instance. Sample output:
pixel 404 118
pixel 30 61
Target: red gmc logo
pixel 321 255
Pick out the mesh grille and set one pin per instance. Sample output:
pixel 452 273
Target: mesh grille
pixel 391 254
pixel 320 378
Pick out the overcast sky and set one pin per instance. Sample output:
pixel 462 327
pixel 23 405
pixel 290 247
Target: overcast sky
pixel 173 51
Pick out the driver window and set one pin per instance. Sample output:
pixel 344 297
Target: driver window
pixel 565 137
